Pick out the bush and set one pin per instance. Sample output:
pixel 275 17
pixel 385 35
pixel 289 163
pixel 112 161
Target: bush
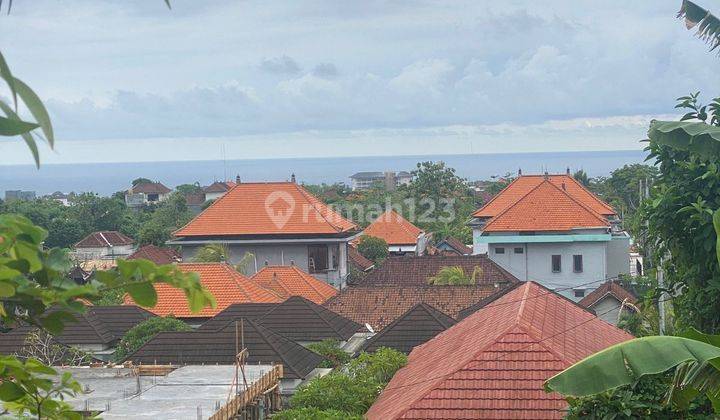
pixel 331 351
pixel 314 414
pixel 143 332
pixel 372 248
pixel 354 389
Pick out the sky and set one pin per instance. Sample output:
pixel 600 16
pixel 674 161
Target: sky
pixel 130 80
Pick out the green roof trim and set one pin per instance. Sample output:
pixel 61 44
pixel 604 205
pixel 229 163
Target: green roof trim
pixel 522 239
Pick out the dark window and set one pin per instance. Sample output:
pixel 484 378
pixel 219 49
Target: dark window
pixel 579 292
pixel 577 263
pixel 499 250
pixel 153 197
pixel 317 258
pixel 556 263
pixel 519 250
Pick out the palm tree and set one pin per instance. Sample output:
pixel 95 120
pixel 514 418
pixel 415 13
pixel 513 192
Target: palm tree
pixel 219 253
pixel 708 25
pixel 455 276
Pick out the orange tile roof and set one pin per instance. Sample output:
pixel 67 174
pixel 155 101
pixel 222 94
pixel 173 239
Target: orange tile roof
pixel 226 285
pixel 266 209
pixel 492 364
pixel 546 207
pixel 524 184
pixel 394 229
pixel 286 281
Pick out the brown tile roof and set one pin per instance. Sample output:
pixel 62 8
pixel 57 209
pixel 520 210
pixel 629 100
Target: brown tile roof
pixel 417 270
pixel 546 208
pixel 456 245
pixel 381 305
pixel 524 184
pixel 358 260
pixel 413 328
pixel 105 238
pixel 274 208
pixel 218 186
pixel 302 320
pixel 237 311
pixel 286 281
pixel 493 363
pixel 221 280
pixel 119 319
pixel 612 288
pixel 220 347
pixel 394 229
pixel 195 199
pixel 156 254
pixel 150 188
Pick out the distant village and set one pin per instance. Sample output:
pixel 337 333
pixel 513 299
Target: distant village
pixel 544 280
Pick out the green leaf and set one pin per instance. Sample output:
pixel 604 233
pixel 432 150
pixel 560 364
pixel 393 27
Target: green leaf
pixel 37 109
pixel 6 289
pixel 143 293
pixel 624 363
pixel 13 127
pixel 697 137
pixel 10 391
pixel 55 322
pixel 24 134
pixel 716 224
pixel 8 77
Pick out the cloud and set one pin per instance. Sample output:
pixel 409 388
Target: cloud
pixel 325 70
pixel 280 65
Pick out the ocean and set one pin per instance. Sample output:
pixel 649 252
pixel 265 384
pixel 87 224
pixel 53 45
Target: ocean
pixel 107 178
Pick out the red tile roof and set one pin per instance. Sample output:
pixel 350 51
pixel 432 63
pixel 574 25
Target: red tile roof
pixel 156 254
pixel 381 305
pixel 608 288
pixel 546 207
pixel 456 245
pixel 104 239
pixel 150 188
pixel 524 184
pixel 492 364
pixel 273 208
pixel 226 285
pixel 286 281
pixel 394 229
pixel 358 260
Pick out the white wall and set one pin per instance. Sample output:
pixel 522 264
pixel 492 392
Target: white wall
pixel 535 263
pixel 607 309
pixel 618 255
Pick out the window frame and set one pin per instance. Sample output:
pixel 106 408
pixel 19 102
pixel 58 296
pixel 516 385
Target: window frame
pixel 500 250
pixel 559 263
pixel 319 249
pixel 576 258
pixel 519 248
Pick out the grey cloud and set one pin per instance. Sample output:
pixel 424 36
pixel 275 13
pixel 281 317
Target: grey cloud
pixel 280 65
pixel 325 70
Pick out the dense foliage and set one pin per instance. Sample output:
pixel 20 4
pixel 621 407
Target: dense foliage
pixel 143 332
pixel 351 389
pixel 331 351
pixel 372 248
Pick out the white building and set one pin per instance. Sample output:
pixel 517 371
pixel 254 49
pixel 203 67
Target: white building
pixel 552 230
pixel 104 245
pixel 146 193
pixel 391 180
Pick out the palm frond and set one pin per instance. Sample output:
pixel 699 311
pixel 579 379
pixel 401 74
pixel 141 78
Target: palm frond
pixel 708 25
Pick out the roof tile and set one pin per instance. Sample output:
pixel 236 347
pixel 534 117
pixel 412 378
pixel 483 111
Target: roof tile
pixel 286 281
pixel 394 229
pixel 105 238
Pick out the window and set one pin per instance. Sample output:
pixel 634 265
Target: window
pixel 577 263
pixel 499 250
pixel 556 263
pixel 519 250
pixel 579 293
pixel 317 258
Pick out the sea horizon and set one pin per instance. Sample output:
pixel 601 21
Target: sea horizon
pixel 107 178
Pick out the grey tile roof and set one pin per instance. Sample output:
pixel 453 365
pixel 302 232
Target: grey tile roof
pixel 416 326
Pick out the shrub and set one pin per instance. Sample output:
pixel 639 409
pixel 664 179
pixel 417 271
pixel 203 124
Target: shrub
pixel 372 248
pixel 314 414
pixel 143 332
pixel 331 351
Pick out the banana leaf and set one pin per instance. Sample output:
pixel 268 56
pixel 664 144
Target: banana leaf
pixel 697 137
pixel 625 363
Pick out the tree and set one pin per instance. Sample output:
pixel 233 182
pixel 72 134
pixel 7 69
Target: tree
pixel 372 248
pixel 143 332
pixel 186 189
pixel 582 177
pixel 141 180
pixel 455 276
pixel 212 253
pixel 331 351
pixel 709 29
pixel 169 216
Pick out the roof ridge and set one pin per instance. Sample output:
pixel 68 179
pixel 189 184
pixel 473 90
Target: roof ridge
pixel 496 196
pixel 310 283
pixel 431 311
pixel 306 194
pixel 261 331
pixel 312 305
pixel 592 212
pixel 506 209
pixel 402 225
pixel 595 197
pixel 213 204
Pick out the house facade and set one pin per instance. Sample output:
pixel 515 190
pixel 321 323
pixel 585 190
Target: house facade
pixel 104 245
pixel 550 229
pixel 274 223
pixel 146 193
pixel 391 180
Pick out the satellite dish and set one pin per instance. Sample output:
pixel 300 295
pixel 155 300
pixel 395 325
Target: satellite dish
pixel 369 328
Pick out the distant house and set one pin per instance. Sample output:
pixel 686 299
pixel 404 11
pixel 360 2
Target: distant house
pixel 551 229
pixel 450 245
pixel 609 301
pixel 278 223
pixel 401 236
pixel 492 364
pixel 287 281
pixel 156 254
pixel 221 280
pixel 12 195
pixel 146 193
pixel 217 189
pixel 358 260
pixel 107 245
pixel 61 198
pixel 390 180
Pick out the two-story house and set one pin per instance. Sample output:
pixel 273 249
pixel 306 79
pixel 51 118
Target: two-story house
pixel 146 193
pixel 278 223
pixel 107 245
pixel 551 229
